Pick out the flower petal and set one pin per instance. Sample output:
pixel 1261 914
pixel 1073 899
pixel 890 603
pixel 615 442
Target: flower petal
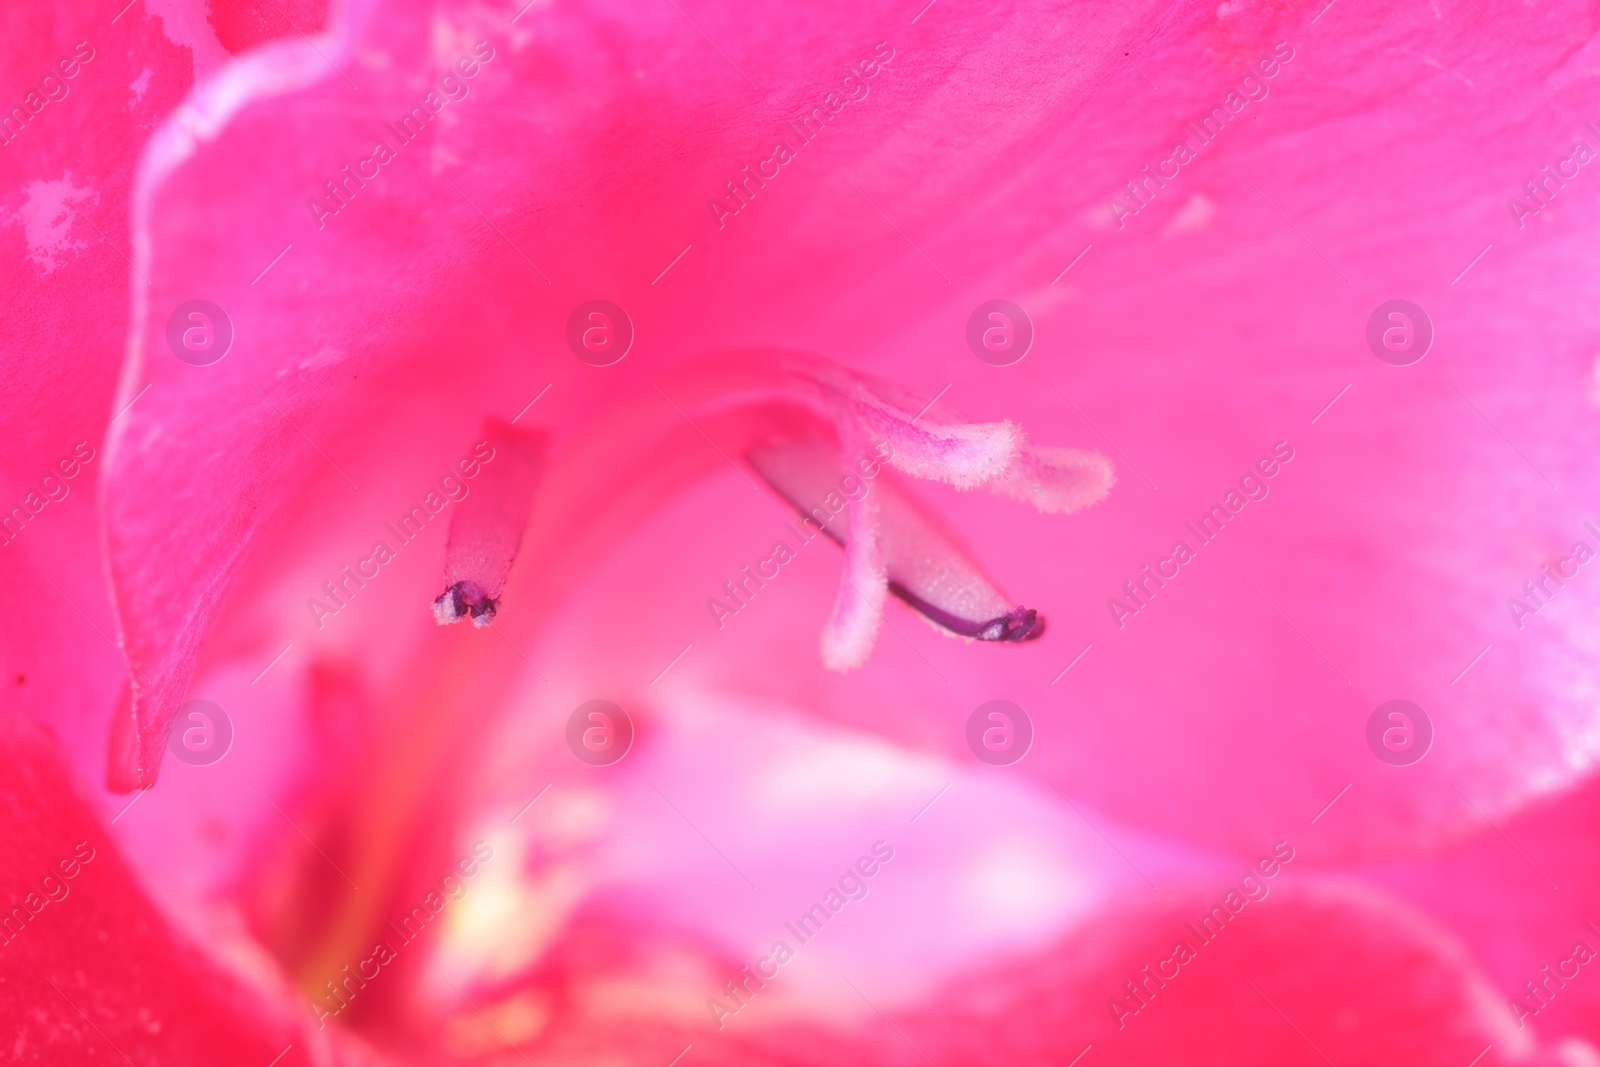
pixel 82 93
pixel 93 973
pixel 1314 972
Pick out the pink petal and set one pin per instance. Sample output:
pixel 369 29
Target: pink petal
pixel 1515 919
pixel 242 24
pixel 1312 968
pixel 65 180
pixel 647 877
pixel 93 973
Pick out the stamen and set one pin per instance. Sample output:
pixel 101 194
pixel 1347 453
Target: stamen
pixel 922 564
pixel 923 444
pixel 487 526
pixel 852 628
pixel 1054 479
pixel 462 600
pixel 893 545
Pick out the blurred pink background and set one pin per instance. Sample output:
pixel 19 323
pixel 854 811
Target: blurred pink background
pixel 1199 328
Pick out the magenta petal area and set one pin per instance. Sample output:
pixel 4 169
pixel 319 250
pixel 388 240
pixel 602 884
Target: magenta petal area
pixel 91 972
pixel 1293 973
pixel 70 141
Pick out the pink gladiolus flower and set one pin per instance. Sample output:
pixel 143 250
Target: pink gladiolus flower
pixel 1217 384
